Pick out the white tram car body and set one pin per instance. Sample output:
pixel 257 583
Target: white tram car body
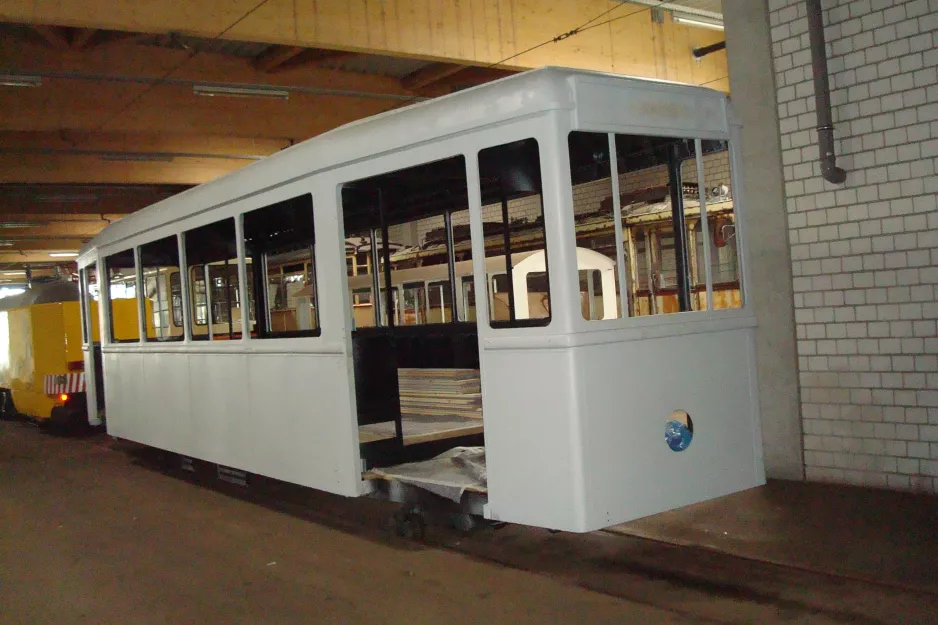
pixel 574 411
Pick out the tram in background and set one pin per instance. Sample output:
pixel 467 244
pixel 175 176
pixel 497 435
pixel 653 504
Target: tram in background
pixel 42 375
pixel 550 267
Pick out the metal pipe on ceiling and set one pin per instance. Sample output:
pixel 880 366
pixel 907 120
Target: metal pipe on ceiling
pixel 822 95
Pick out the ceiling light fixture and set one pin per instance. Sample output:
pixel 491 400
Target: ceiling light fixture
pixel 22 224
pixel 63 254
pixel 241 92
pixel 14 273
pixel 20 80
pixel 698 21
pixel 136 157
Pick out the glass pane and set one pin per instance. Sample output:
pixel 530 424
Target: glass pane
pixel 691 198
pixel 280 245
pixel 595 227
pixel 212 258
pixel 499 299
pixel 175 289
pixel 439 302
pixel 361 286
pixel 655 221
pixel 160 261
pixel 413 304
pixel 721 222
pixel 513 225
pixel 122 297
pixel 83 303
pixel 462 252
pixel 199 301
pixel 467 309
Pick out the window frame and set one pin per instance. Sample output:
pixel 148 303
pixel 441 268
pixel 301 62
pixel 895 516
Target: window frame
pixel 107 295
pixel 380 257
pixel 233 333
pixel 703 146
pixel 506 250
pixel 142 296
pixel 259 297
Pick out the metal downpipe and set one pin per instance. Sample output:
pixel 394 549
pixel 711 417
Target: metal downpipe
pixel 822 95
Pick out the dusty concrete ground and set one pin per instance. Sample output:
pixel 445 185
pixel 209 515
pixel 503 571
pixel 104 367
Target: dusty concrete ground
pixel 91 533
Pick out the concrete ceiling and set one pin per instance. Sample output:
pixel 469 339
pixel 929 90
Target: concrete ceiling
pixel 112 121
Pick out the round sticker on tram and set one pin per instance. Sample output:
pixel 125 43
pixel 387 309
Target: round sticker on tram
pixel 679 430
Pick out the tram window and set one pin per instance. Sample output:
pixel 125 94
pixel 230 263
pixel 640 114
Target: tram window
pixel 358 263
pixel 88 300
pixel 721 231
pixel 414 304
pixel 212 263
pixel 594 213
pixel 407 212
pixel 498 298
pixel 658 187
pixel 279 242
pixel 462 254
pixel 175 293
pixel 159 260
pixel 467 308
pixel 199 300
pixel 439 302
pixel 122 297
pixel 513 225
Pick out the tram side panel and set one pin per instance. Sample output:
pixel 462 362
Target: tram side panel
pixel 284 416
pixel 165 390
pixel 531 448
pixel 301 423
pixel 630 391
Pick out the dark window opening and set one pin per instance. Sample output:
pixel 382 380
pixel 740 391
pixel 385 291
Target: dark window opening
pixel 160 261
pixel 513 225
pixel 280 245
pixel 404 230
pixel 212 260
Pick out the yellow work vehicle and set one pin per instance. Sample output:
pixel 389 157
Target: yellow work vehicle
pixel 42 373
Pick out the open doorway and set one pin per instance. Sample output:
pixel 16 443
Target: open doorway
pixel 416 355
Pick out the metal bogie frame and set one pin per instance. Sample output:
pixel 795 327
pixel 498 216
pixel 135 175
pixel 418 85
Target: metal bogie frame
pixel 574 410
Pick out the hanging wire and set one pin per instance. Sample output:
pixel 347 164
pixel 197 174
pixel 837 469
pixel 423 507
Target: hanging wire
pixel 191 55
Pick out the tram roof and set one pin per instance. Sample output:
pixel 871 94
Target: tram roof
pixel 524 94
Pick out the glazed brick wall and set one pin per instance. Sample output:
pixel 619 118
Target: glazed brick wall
pixel 865 253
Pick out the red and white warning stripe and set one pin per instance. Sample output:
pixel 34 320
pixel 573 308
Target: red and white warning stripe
pixel 65 383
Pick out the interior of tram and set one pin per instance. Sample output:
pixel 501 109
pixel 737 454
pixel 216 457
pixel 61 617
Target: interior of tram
pixel 415 344
pixel 414 302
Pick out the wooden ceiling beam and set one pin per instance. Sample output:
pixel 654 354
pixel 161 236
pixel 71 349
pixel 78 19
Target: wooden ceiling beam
pixel 472 33
pixel 429 75
pixel 275 56
pixel 69 169
pixel 127 58
pixel 82 37
pixel 78 201
pixel 53 35
pixel 66 141
pixel 89 106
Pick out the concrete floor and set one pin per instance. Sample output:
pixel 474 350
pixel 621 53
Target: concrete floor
pixel 92 533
